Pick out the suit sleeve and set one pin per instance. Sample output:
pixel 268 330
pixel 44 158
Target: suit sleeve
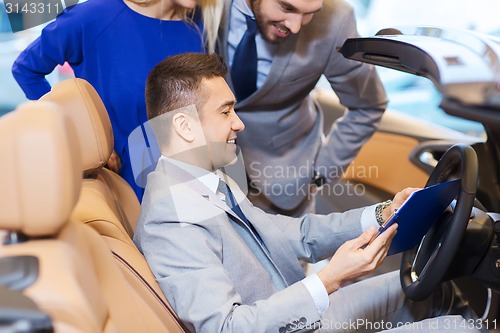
pixel 312 237
pixel 200 290
pixel 315 237
pixel 361 92
pixel 59 42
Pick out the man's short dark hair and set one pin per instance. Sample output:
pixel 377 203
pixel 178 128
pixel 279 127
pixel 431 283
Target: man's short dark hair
pixel 175 82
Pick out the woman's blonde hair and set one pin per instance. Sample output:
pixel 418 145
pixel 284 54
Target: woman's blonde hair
pixel 211 15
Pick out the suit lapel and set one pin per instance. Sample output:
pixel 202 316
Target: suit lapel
pixel 280 61
pixel 279 251
pixel 224 35
pixel 224 27
pixel 213 198
pixel 178 176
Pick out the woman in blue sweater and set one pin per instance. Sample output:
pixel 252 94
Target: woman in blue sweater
pixel 113 44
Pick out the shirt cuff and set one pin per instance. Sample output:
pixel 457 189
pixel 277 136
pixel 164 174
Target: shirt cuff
pixel 318 292
pixel 368 218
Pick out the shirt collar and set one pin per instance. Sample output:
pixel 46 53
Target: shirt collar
pixel 243 7
pixel 207 178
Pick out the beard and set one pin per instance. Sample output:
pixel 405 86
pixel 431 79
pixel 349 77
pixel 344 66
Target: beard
pixel 265 27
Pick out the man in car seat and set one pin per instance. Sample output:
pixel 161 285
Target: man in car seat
pixel 226 266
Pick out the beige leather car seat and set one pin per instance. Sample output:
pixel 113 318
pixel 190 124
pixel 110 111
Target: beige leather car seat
pixel 79 283
pixel 107 203
pixel 93 128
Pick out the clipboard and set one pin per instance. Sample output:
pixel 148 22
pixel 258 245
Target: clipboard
pixel 418 213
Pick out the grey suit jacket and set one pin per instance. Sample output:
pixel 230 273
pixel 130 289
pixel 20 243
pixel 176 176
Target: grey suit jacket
pixel 216 281
pixel 283 137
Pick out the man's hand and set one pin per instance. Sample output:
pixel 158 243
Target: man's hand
pixel 397 202
pixel 114 163
pixel 355 259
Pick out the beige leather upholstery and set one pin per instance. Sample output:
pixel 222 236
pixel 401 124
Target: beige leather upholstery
pixel 107 203
pixel 93 210
pixel 38 203
pixel 93 128
pixel 81 103
pixel 80 284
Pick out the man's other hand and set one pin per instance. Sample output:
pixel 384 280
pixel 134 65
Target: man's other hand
pixel 355 258
pixel 397 202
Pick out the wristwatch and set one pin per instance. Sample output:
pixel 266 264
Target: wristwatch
pixel 318 179
pixel 379 209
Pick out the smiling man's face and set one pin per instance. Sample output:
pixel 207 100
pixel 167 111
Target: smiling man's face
pixel 278 19
pixel 219 122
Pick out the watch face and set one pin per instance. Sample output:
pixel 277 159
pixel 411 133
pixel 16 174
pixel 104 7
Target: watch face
pixel 319 181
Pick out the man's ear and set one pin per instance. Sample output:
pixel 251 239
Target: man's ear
pixel 183 126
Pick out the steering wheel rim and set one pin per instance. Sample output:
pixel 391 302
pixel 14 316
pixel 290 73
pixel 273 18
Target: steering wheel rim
pixel 424 267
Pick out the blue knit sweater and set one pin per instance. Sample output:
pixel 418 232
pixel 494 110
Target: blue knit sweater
pixel 112 47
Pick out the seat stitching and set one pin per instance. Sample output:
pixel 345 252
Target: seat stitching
pixel 141 278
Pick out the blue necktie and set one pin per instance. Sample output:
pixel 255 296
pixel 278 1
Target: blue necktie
pixel 244 67
pixel 231 202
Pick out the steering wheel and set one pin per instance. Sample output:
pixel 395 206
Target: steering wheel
pixel 424 267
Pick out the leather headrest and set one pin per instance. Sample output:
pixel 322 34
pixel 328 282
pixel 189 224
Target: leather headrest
pixel 40 172
pixel 80 101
